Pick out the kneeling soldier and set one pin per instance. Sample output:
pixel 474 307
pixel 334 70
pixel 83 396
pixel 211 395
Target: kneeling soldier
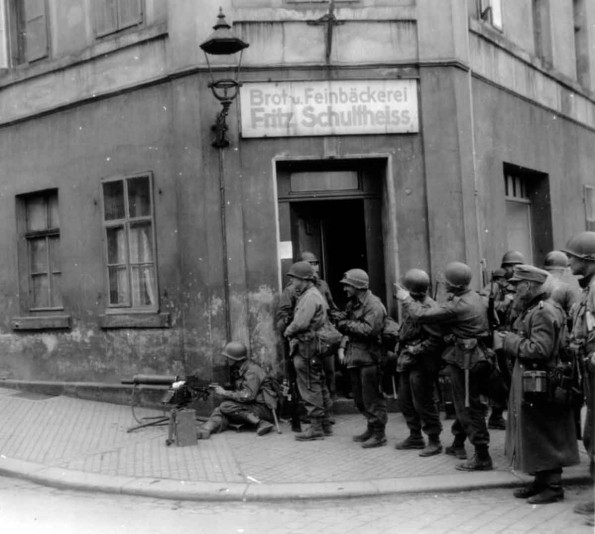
pixel 252 400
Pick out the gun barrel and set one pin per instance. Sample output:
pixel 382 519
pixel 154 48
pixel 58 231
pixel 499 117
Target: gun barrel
pixel 152 380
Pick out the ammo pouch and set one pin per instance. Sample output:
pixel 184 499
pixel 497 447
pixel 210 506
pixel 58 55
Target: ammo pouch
pixel 328 339
pixel 564 385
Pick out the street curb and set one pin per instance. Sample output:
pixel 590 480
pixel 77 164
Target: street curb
pixel 255 491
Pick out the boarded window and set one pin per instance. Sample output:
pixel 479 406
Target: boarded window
pixel 114 15
pixel 130 245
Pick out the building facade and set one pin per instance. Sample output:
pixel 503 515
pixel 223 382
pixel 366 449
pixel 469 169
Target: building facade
pixel 381 134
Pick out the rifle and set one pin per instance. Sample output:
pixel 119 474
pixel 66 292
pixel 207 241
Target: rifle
pixel 181 393
pixel 290 391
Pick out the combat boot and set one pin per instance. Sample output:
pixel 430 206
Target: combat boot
pixel 528 491
pixel 433 447
pixel 364 436
pixel 481 461
pixel 205 430
pixel 457 450
pixel 264 427
pixel 378 439
pixel 313 432
pixel 413 441
pixel 327 428
pixel 552 493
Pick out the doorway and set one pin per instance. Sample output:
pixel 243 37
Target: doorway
pixel 335 211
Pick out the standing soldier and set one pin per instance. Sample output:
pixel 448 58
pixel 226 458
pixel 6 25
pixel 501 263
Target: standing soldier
pixel 504 308
pixel 564 293
pixel 362 322
pixel 540 435
pixel 581 253
pixel 309 316
pixel 418 364
pixel 322 286
pixel 464 317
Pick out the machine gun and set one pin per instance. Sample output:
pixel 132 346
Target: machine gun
pixel 181 393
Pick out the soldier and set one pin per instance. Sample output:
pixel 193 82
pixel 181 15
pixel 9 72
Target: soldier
pixel 362 322
pixel 418 363
pixel 311 313
pixel 503 306
pixel 581 254
pixel 562 291
pixel 251 401
pixel 540 436
pixel 322 286
pixel 464 319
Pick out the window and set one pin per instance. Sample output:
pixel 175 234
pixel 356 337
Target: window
pixel 115 15
pixel 28 30
pixel 130 246
pixel 491 12
pixel 528 212
pixel 42 238
pixel 542 35
pixel 590 207
pixel 581 42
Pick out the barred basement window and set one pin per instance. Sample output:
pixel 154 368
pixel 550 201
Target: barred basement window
pixel 42 235
pixel 130 243
pixel 112 16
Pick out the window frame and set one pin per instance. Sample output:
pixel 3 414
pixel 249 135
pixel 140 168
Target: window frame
pixel 26 237
pixel 130 307
pixel 18 46
pixel 120 26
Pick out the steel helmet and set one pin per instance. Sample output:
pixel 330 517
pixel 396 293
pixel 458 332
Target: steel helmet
pixel 498 273
pixel 555 259
pixel 357 278
pixel 235 350
pixel 581 246
pixel 301 270
pixel 458 274
pixel 512 257
pixel 416 281
pixel 308 256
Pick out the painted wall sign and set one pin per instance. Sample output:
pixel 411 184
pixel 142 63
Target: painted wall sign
pixel 346 107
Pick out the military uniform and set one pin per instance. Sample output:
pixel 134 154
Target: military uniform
pixel 253 393
pixel 418 363
pixel 362 322
pixel 464 321
pixel 582 337
pixel 540 436
pixel 309 315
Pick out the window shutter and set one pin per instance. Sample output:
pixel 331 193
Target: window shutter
pixel 106 16
pixel 130 13
pixel 36 33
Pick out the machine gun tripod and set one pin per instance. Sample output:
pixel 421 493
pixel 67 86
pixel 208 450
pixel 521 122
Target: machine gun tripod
pixel 181 393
